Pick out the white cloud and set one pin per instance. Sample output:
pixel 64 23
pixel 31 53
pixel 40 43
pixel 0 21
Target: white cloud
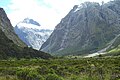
pixel 47 12
pixel 30 8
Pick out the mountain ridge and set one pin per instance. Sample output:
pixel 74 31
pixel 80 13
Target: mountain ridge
pixel 30 21
pixel 85 29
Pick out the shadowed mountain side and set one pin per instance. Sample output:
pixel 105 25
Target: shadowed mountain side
pixel 7 28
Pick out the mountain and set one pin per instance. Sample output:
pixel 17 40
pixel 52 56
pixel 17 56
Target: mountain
pixel 7 28
pixel 11 45
pixel 30 21
pixel 87 28
pixel 30 32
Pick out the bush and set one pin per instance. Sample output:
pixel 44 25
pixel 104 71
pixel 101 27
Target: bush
pixel 34 76
pixel 28 74
pixel 22 74
pixel 75 78
pixel 53 77
pixel 43 70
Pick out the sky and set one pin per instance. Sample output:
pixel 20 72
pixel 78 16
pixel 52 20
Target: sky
pixel 47 12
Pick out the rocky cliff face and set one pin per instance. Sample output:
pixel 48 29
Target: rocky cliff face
pixel 87 28
pixel 7 28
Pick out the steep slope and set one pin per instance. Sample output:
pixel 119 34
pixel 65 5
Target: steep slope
pixel 9 49
pixel 111 50
pixel 87 28
pixel 11 45
pixel 30 32
pixel 7 28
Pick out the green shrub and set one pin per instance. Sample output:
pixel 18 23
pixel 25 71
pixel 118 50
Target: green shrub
pixel 54 66
pixel 34 76
pixel 28 74
pixel 75 78
pixel 22 74
pixel 51 71
pixel 43 70
pixel 53 77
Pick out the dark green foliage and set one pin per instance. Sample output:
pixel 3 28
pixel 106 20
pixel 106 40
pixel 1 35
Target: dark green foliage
pixel 9 49
pixel 27 74
pixel 53 77
pixel 34 76
pixel 99 55
pixel 75 78
pixel 43 70
pixel 22 74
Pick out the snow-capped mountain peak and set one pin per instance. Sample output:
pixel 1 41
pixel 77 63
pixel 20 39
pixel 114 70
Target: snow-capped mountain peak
pixel 28 25
pixel 30 32
pixel 30 21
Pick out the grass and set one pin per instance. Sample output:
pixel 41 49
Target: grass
pixel 107 68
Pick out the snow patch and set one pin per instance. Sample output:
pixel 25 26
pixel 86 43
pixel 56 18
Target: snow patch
pixel 94 54
pixel 78 8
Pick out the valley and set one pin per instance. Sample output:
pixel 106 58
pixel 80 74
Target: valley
pixel 84 45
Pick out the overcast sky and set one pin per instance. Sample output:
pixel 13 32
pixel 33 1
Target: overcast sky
pixel 47 12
